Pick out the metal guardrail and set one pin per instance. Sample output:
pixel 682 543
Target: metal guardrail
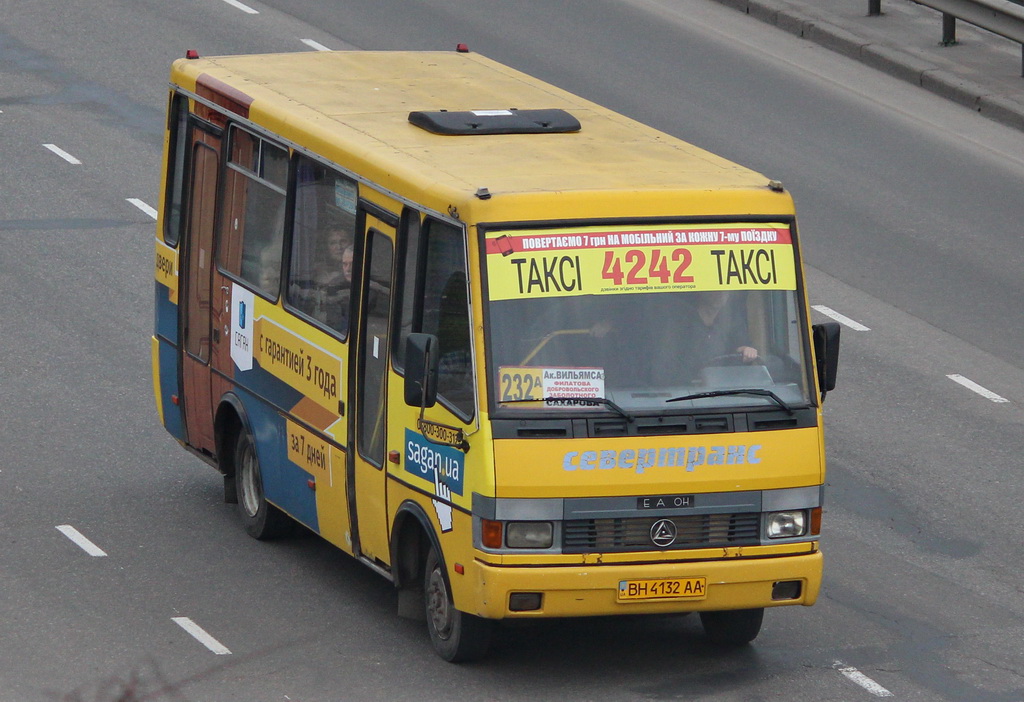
pixel 1001 17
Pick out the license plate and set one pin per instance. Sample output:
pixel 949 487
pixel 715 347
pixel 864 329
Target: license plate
pixel 666 589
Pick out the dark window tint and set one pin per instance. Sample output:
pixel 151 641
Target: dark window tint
pixel 177 150
pixel 436 301
pixel 376 285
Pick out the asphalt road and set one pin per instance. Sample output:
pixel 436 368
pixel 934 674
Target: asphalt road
pixel 910 210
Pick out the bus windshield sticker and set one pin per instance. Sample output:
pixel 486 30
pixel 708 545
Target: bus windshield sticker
pixel 345 195
pixel 611 260
pixel 551 387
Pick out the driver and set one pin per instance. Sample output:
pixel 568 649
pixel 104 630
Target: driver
pixel 718 329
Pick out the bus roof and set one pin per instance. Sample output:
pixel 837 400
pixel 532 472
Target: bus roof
pixel 353 108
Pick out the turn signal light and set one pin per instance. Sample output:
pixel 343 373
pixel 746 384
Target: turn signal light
pixel 490 533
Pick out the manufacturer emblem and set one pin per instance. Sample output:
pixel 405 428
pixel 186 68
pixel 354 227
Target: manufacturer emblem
pixel 663 532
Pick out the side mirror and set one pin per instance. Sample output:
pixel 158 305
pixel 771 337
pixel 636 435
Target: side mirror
pixel 421 364
pixel 826 351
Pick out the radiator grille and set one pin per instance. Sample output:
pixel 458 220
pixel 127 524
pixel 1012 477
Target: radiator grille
pixel 634 533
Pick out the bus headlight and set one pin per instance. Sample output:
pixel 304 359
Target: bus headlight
pixel 785 525
pixel 528 534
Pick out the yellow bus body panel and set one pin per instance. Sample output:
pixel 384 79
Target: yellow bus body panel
pixel 658 465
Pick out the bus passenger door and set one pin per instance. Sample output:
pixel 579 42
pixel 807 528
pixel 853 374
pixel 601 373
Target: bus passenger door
pixel 370 406
pixel 197 300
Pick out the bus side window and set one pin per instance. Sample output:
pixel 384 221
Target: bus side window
pixel 319 283
pixel 435 301
pixel 178 149
pixel 252 236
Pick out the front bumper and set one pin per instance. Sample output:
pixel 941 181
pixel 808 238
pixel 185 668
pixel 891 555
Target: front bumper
pixel 591 590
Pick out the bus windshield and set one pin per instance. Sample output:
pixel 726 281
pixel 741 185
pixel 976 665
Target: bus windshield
pixel 655 319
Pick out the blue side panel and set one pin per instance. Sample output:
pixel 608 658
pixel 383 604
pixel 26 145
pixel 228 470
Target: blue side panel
pixel 168 360
pixel 166 315
pixel 268 386
pixel 284 483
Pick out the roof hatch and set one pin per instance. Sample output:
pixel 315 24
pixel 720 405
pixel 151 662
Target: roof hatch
pixel 510 121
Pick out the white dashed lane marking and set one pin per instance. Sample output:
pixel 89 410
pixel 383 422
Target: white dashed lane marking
pixel 841 318
pixel 974 387
pixel 243 7
pixel 82 542
pixel 201 636
pixel 142 206
pixel 315 45
pixel 857 677
pixel 63 154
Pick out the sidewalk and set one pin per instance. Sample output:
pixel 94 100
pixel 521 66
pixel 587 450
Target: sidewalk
pixel 982 71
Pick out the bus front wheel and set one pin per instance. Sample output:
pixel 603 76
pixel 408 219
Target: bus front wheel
pixel 733 627
pixel 261 519
pixel 456 636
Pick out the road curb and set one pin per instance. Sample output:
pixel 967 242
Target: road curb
pixel 1003 109
pixel 896 63
pixel 888 59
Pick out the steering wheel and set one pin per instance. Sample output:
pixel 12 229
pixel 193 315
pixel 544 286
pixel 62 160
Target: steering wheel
pixel 733 359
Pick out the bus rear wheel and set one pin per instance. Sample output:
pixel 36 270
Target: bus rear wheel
pixel 736 627
pixel 456 636
pixel 261 519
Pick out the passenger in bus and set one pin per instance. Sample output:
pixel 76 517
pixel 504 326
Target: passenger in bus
pixel 378 296
pixel 269 278
pixel 321 287
pixel 331 280
pixel 615 335
pixel 346 264
pixel 329 271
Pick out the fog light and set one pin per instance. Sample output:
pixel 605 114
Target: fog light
pixel 524 601
pixel 528 535
pixel 784 525
pixel 787 590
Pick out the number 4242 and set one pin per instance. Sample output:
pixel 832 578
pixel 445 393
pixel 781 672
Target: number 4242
pixel 641 269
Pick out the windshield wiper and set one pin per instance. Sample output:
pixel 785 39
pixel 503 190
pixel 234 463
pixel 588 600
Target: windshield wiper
pixel 746 391
pixel 595 400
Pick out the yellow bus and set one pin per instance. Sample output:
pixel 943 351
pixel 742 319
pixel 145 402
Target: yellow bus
pixel 519 354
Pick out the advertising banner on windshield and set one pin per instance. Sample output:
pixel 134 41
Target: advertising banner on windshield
pixel 613 260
